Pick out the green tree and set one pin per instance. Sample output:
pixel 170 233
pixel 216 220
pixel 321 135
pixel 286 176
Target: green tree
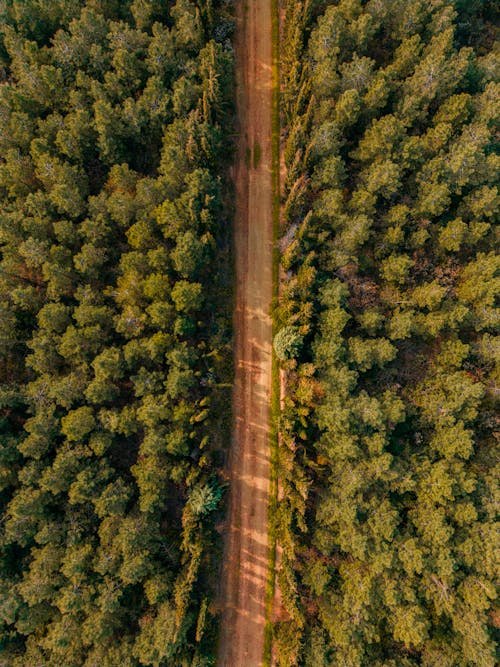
pixel 288 343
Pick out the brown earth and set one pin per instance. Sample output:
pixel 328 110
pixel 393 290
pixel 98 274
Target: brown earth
pixel 244 573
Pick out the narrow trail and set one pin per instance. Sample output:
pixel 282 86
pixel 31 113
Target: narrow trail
pixel 246 555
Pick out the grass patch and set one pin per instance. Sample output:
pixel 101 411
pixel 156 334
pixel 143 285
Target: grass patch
pixel 257 154
pixel 248 157
pixel 275 387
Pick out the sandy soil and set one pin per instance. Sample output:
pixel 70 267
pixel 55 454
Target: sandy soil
pixel 245 565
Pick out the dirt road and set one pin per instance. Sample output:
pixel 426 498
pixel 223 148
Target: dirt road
pixel 245 566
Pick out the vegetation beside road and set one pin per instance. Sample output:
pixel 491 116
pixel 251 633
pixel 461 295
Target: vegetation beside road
pixel 386 331
pixel 115 330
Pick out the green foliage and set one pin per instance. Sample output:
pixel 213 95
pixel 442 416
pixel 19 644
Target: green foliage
pixel 288 342
pixel 204 499
pixel 115 120
pixel 387 431
pixel 257 152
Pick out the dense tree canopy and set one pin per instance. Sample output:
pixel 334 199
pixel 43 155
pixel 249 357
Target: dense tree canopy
pixel 388 510
pixel 114 333
pixel 115 119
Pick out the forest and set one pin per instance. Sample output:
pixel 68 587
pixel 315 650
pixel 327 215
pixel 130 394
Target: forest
pixel 117 137
pixel 115 340
pixel 386 322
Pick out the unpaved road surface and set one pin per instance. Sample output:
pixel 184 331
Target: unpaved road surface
pixel 245 566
